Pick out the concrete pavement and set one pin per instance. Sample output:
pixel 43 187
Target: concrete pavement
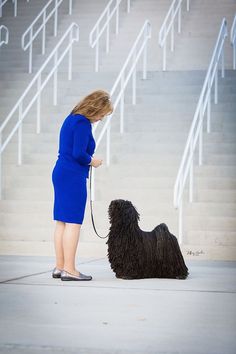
pixel 112 316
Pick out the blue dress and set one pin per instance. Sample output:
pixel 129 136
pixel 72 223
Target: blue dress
pixel 76 147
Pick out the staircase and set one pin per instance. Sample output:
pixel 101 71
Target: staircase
pixel 14 76
pixel 145 159
pixel 211 222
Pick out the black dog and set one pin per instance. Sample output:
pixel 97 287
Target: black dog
pixel 137 254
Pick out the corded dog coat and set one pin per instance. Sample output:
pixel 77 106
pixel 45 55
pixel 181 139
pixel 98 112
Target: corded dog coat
pixel 136 254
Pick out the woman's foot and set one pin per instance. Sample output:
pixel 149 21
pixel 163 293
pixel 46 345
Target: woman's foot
pixel 56 273
pixel 74 276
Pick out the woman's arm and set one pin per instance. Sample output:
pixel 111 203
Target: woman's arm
pixel 80 143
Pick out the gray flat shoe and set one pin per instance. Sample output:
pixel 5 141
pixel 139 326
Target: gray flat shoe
pixel 56 273
pixel 66 276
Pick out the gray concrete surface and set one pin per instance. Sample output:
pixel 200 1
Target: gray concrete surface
pixel 108 315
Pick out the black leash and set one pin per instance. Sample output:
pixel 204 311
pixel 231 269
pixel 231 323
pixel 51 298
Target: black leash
pixel 91 205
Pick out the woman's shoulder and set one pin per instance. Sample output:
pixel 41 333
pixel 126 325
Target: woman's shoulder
pixel 80 122
pixel 76 118
pixel 79 118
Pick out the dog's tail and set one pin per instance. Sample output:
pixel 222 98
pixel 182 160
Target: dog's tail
pixel 169 254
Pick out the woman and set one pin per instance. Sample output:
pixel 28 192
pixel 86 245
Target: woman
pixel 76 148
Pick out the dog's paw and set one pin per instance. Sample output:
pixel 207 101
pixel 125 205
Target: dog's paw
pixel 181 277
pixel 123 277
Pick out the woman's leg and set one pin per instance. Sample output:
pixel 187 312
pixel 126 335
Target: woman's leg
pixel 58 244
pixel 70 243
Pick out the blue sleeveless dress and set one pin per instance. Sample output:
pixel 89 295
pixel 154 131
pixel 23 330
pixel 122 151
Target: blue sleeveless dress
pixel 69 175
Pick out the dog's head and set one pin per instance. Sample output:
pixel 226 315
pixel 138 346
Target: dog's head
pixel 122 211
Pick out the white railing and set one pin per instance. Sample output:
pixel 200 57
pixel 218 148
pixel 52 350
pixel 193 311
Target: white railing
pixel 169 25
pixel 117 92
pixel 38 83
pixel 100 27
pixel 39 24
pixel 3 2
pixel 233 41
pixel 4 31
pixel 196 131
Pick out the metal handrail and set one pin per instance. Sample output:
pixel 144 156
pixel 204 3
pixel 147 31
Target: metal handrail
pixel 3 2
pixel 196 130
pixel 44 17
pixel 38 83
pixel 139 47
pixel 233 41
pixel 168 25
pixel 6 39
pixel 106 15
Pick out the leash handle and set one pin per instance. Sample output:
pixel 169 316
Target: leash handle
pixel 91 206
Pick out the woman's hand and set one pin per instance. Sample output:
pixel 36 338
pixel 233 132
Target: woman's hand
pixel 96 162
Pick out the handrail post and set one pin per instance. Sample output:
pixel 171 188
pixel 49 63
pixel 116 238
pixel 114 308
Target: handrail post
pixel 145 62
pixel 191 173
pixel 180 222
pixel 7 36
pixel 20 135
pixel 164 55
pixel 209 108
pixel 234 56
pixel 122 105
pixel 117 17
pixel 0 164
pixel 0 8
pixel 128 6
pixel 179 18
pixel 108 143
pixel 200 136
pixel 55 18
pixel 30 51
pixel 38 105
pixel 134 81
pixel 70 7
pixel 97 51
pixel 44 32
pixel 172 31
pixel 222 64
pixel 216 86
pixel 108 31
pixel 187 5
pixel 55 80
pixel 15 8
pixel 70 58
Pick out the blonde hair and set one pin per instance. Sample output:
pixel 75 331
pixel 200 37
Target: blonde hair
pixel 96 103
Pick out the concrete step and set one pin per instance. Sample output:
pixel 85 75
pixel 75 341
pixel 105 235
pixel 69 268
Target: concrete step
pixel 36 158
pixel 101 208
pixel 207 195
pixel 43 193
pixel 51 147
pixel 221 159
pixel 216 209
pixel 211 170
pixel 126 170
pixel 216 183
pixel 211 237
pixel 46 248
pixel 157 215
